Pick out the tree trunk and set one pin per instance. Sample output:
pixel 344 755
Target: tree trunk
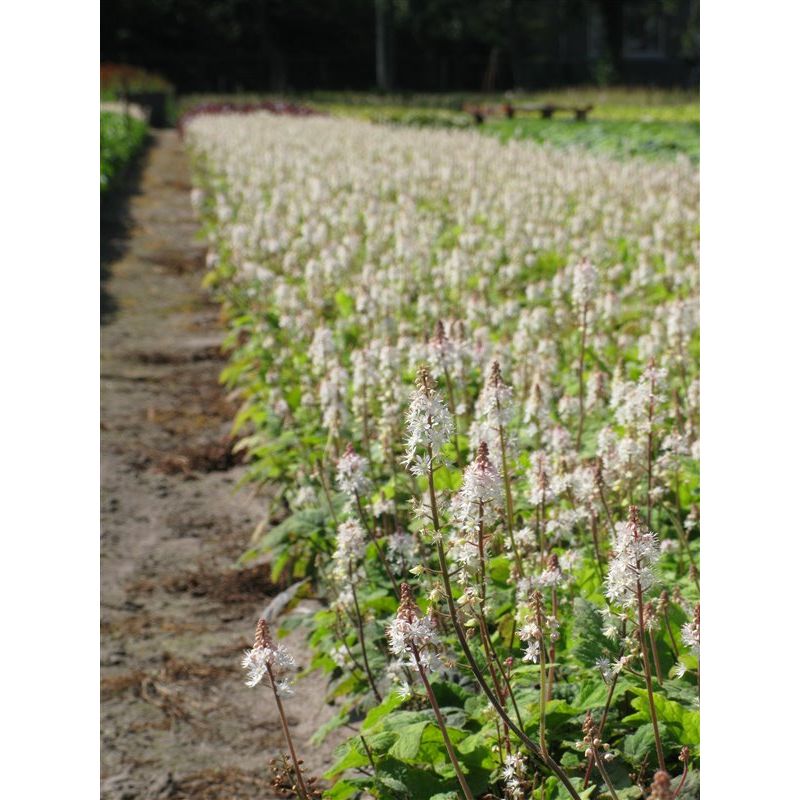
pixel 612 20
pixel 514 48
pixel 384 56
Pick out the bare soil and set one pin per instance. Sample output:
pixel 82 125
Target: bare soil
pixel 177 720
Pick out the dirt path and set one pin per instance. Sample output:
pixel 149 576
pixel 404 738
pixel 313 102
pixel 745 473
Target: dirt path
pixel 176 720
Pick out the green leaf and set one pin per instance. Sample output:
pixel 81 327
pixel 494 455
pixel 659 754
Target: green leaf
pixel 345 789
pixel 395 784
pixel 588 642
pixel 407 745
pixel 331 725
pixel 344 303
pixel 353 757
pixel 374 715
pixel 639 744
pixel 418 781
pixel 629 793
pixel 682 724
pixel 557 791
pixel 591 695
pixel 448 693
pixel 379 743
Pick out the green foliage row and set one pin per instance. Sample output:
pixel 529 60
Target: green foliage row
pixel 121 139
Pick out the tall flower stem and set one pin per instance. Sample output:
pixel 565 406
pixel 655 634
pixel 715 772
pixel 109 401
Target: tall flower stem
pixel 327 491
pixel 650 414
pixel 491 664
pixel 596 544
pixel 656 661
pixel 542 678
pixel 580 376
pixel 360 627
pixel 648 678
pixel 342 638
pixel 601 767
pixel 374 537
pixel 506 681
pixel 606 708
pixel 509 503
pixel 552 673
pixel 454 415
pixel 301 785
pixel 442 725
pixel 601 492
pixel 609 696
pixel 462 640
pixel 365 431
pixel 674 644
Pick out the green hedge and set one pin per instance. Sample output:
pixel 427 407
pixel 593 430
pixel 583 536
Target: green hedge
pixel 121 138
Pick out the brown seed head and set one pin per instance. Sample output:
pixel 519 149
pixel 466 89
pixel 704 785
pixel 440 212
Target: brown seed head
pixel 424 380
pixel 262 638
pixel 496 376
pixel 536 601
pixel 407 610
pixel 598 472
pixel 661 787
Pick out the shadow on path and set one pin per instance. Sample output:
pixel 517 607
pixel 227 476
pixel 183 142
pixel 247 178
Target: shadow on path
pixel 115 225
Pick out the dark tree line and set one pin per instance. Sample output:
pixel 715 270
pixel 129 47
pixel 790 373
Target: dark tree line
pixel 424 45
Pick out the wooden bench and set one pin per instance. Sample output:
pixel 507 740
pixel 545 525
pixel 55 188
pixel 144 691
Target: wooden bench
pixel 546 110
pixel 479 113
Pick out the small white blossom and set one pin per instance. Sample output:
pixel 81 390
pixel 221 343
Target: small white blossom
pixel 266 657
pixel 351 473
pixel 351 539
pixel 428 424
pixel 631 568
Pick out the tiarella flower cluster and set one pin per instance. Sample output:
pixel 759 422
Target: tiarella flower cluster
pixel 584 284
pixel 514 776
pixel 268 662
pixel 351 473
pixel 429 425
pixel 690 631
pixel 636 552
pixel 351 539
pixel 493 412
pixel 401 551
pixel 553 576
pixel 537 629
pixel 480 494
pixel 414 639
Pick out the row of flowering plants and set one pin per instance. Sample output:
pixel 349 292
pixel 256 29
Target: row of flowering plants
pixel 471 372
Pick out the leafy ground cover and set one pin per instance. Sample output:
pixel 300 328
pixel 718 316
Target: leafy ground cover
pixel 471 368
pixel 641 122
pixel 121 139
pixel 621 138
